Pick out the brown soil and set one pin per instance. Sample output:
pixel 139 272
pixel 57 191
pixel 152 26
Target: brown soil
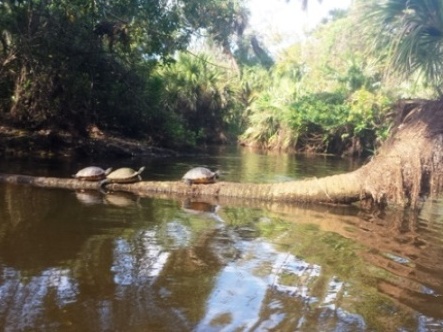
pixel 50 143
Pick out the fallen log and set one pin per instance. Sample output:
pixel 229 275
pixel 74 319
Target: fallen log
pixel 331 190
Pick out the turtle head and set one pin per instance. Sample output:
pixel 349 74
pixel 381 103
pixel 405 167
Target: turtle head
pixel 109 170
pixel 217 174
pixel 141 169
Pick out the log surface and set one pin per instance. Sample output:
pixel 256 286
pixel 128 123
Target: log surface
pixel 337 189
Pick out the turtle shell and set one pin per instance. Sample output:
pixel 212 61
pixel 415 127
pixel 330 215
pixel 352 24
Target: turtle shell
pixel 92 173
pixel 125 175
pixel 200 175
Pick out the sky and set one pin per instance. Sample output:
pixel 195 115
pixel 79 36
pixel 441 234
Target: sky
pixel 282 22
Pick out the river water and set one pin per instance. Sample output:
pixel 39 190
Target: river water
pixel 81 261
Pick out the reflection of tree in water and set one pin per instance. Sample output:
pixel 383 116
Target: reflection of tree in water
pixel 157 288
pixel 413 254
pixel 279 291
pixel 408 251
pixel 187 278
pixel 399 256
pixel 156 267
pixel 37 232
pixel 92 271
pixel 25 301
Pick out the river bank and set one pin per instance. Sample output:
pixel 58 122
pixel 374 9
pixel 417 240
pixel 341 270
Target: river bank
pixel 49 143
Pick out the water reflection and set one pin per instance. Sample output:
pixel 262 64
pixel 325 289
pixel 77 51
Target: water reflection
pixel 25 300
pixel 118 199
pixel 121 199
pixel 201 208
pixel 197 207
pixel 89 197
pixel 84 261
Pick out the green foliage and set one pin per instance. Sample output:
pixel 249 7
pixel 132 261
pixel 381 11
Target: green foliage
pixel 269 106
pixel 72 64
pixel 201 99
pixel 122 66
pixel 221 19
pixel 327 122
pixel 410 35
pixel 285 114
pixel 368 112
pixel 322 95
pixel 319 119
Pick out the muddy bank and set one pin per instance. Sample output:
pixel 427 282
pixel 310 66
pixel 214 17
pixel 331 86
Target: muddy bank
pixel 47 143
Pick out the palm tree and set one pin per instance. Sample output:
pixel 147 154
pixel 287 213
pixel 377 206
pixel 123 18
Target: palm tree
pixel 198 93
pixel 410 34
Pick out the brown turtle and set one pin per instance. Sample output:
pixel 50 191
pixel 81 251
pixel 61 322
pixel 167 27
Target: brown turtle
pixel 123 175
pixel 92 173
pixel 200 175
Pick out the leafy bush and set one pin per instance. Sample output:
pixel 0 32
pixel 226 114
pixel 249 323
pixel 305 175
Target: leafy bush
pixel 203 97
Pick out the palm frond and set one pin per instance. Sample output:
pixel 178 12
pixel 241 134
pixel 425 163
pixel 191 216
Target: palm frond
pixel 410 34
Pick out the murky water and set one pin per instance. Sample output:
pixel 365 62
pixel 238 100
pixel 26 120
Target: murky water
pixel 81 261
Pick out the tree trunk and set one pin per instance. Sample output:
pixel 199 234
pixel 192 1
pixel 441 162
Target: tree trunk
pixel 406 170
pixel 337 189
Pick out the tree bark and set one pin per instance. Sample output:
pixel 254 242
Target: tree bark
pixel 407 169
pixel 337 189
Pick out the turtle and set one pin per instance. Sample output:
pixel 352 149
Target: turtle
pixel 92 173
pixel 123 175
pixel 200 175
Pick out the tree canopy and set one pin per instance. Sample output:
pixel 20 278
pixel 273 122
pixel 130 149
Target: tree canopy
pixel 90 62
pixel 132 68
